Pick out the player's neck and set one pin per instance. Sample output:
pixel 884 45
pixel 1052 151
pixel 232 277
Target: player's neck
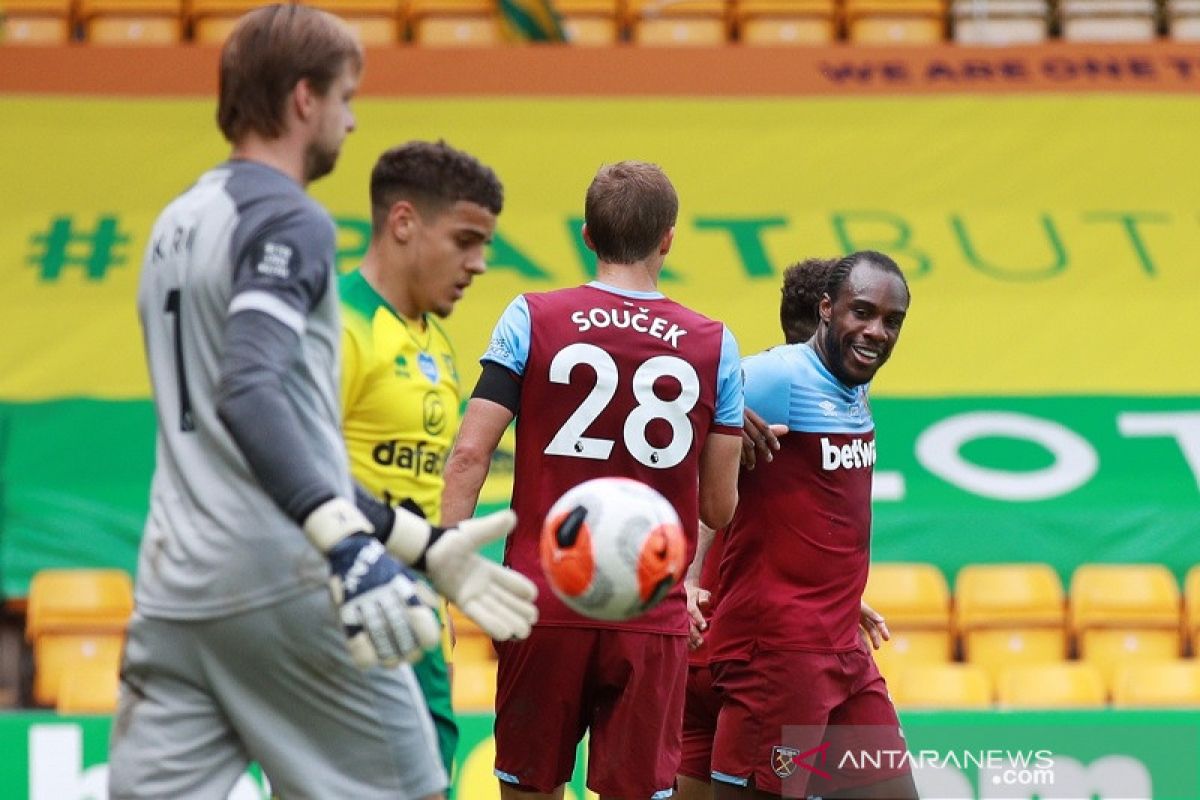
pixel 637 277
pixel 276 153
pixel 391 286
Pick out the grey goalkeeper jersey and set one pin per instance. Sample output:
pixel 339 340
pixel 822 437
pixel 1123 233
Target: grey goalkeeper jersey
pixel 245 238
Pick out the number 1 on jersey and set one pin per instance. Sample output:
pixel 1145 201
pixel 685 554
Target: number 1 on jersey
pixel 570 440
pixel 186 421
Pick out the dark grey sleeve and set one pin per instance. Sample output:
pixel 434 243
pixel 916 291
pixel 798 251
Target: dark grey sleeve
pixel 252 403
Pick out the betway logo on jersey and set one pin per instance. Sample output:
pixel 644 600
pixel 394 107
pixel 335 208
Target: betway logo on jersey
pixel 855 455
pixel 634 318
pixel 416 460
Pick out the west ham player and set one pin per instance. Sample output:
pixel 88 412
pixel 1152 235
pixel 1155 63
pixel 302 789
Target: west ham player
pixel 607 379
pixel 800 294
pixel 785 646
pixel 433 212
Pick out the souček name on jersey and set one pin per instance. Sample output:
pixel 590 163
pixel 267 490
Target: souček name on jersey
pixel 416 460
pixel 635 318
pixel 855 455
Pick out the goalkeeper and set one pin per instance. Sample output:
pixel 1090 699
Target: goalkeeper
pixel 237 651
pixel 433 211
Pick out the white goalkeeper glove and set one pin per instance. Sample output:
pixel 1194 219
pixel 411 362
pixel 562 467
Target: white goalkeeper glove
pixel 385 609
pixel 497 599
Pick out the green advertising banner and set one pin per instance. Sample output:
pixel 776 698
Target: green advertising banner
pixel 1017 755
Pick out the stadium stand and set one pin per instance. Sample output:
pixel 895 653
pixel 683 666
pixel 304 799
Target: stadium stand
pixel 1183 20
pixel 474 686
pixel 471 643
pixel 1065 685
pixel 678 22
pixel 1008 614
pixel 1191 609
pixel 895 21
pixel 131 22
pixel 377 22
pixel 75 616
pixel 1000 22
pixel 590 22
pixel 1124 612
pixel 88 688
pixel 915 601
pixel 786 22
pixel 1108 20
pixel 453 23
pixel 36 21
pixel 1157 684
pixel 941 686
pixel 212 20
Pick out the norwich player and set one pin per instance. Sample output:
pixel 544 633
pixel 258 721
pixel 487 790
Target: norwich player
pixel 433 210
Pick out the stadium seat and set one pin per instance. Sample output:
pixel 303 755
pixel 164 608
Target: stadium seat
pixel 915 601
pixel 1183 20
pixel 454 23
pixel 1000 22
pixel 212 20
pixel 590 22
pixel 1191 606
pixel 35 22
pixel 895 21
pixel 679 22
pixel 471 643
pixel 134 22
pixel 88 689
pixel 474 686
pixel 78 601
pixel 1108 20
pixel 1006 614
pixel 1157 683
pixel 376 22
pixel 1124 612
pixel 786 22
pixel 55 654
pixel 941 686
pixel 1065 685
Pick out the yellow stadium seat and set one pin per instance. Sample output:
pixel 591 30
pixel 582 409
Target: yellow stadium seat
pixel 35 22
pixel 941 686
pixel 88 689
pixel 454 23
pixel 1064 685
pixel 1157 683
pixel 590 22
pixel 473 687
pixel 54 654
pixel 1183 20
pixel 1124 612
pixel 134 22
pixel 78 600
pixel 1000 22
pixel 912 647
pixel 213 20
pixel 1108 20
pixel 1191 603
pixel 679 22
pixel 1006 614
pixel 914 598
pixel 895 21
pixel 375 22
pixel 786 22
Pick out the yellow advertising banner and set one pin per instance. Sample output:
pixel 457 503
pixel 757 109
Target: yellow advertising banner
pixel 1050 241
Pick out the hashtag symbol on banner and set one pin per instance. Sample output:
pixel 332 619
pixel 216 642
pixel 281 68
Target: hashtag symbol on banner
pixel 63 246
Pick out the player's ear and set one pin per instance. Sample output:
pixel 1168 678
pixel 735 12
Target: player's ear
pixel 402 220
pixel 825 308
pixel 664 246
pixel 303 99
pixel 587 238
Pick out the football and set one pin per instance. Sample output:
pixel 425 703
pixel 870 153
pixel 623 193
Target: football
pixel 612 548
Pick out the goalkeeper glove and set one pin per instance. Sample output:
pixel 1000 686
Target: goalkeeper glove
pixel 384 608
pixel 498 599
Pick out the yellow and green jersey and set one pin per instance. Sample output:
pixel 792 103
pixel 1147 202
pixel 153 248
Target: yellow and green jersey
pixel 400 401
